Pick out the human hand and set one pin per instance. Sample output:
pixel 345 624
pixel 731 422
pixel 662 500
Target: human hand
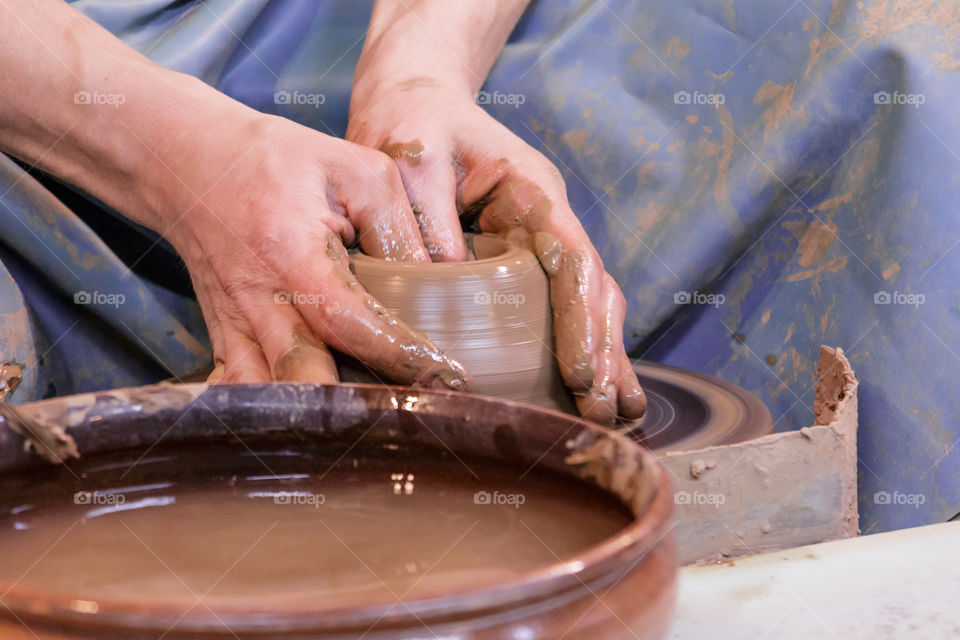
pixel 258 206
pixel 262 208
pixel 455 158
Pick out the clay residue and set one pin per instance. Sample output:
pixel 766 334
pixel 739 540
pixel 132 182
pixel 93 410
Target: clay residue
pixel 699 466
pixel 382 240
pixel 939 23
pixel 832 203
pixel 415 357
pixel 11 375
pixel 836 382
pixel 307 360
pixel 677 48
pixel 516 202
pixel 722 77
pixel 820 46
pixel 419 359
pixel 814 242
pixel 569 297
pixel 418 82
pixel 725 208
pixel 575 139
pixel 548 251
pixel 44 424
pixel 409 152
pixel 777 99
pixel 335 249
pixel 46 439
pixel 614 463
pixel 779 491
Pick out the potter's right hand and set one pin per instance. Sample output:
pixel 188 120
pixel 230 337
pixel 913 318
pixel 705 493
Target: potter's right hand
pixel 257 206
pixel 266 208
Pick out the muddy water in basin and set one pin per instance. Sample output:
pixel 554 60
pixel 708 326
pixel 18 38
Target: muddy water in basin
pixel 240 526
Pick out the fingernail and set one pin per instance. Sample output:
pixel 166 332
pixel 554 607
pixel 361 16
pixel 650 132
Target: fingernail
pixel 632 401
pixel 600 405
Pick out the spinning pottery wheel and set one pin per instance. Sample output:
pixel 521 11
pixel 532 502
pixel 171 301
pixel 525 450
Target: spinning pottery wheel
pixel 492 314
pixel 688 410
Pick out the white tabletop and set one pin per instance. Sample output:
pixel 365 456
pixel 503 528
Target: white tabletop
pixel 902 584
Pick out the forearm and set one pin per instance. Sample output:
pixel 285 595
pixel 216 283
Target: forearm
pixel 83 106
pixel 449 43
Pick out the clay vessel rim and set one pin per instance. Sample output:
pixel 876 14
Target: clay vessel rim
pixel 504 255
pixel 593 564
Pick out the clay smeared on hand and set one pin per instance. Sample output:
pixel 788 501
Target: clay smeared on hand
pixel 308 360
pixel 409 152
pixel 370 333
pixel 572 327
pixel 588 346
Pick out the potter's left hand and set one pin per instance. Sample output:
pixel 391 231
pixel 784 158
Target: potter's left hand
pixel 413 98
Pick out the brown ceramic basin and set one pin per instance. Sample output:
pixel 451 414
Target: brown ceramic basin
pixel 620 586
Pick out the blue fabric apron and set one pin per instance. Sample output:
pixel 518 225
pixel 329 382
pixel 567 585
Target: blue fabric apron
pixel 761 178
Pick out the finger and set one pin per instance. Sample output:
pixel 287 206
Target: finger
pixel 588 308
pixel 352 321
pixel 431 185
pixel 379 208
pixel 212 319
pixel 244 361
pixel 600 402
pixel 574 328
pixel 631 400
pixel 515 202
pixel 292 350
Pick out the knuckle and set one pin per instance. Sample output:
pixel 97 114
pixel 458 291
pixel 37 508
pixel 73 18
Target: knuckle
pixel 240 288
pixel 383 167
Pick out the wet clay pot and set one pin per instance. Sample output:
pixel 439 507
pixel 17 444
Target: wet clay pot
pixel 623 586
pixel 491 313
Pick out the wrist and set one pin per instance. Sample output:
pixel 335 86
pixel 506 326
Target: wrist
pixel 433 43
pixel 186 142
pixel 388 66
